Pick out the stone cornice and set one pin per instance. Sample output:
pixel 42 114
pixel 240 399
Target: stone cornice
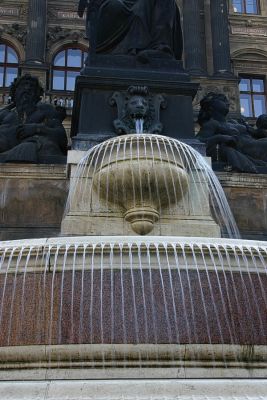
pixel 13 11
pixel 244 18
pixel 32 171
pixel 66 14
pixel 249 25
pixel 236 179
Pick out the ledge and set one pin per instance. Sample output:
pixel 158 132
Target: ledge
pixel 132 361
pixel 244 180
pixel 140 389
pixel 33 171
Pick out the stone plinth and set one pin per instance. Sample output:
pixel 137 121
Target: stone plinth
pixel 93 115
pixel 32 200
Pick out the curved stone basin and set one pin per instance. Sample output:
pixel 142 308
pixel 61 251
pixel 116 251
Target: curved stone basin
pixel 143 175
pixel 145 184
pixel 116 290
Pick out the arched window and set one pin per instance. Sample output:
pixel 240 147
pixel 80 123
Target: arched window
pixel 9 65
pixel 67 65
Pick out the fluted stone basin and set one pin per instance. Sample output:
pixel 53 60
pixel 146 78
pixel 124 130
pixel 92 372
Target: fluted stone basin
pixel 142 176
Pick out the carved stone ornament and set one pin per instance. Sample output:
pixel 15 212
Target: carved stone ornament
pixel 15 30
pixel 138 104
pixel 230 92
pixel 57 33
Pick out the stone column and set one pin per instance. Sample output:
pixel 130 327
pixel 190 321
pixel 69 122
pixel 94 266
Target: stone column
pixel 220 37
pixel 36 35
pixel 194 37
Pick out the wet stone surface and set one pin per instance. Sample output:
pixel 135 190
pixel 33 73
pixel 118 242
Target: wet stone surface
pixel 133 308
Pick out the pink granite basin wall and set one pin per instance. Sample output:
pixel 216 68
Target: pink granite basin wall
pixel 233 312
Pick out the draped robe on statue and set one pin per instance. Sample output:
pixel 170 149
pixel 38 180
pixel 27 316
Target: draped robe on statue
pixel 132 26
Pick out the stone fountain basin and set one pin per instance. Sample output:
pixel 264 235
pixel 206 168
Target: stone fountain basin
pixel 142 175
pixel 117 291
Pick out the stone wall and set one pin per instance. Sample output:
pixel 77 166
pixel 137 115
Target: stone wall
pixel 33 198
pixel 247 196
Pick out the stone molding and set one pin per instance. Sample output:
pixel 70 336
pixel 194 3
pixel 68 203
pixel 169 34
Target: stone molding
pixel 57 33
pixel 33 171
pixel 121 361
pixel 134 389
pixel 65 15
pixel 101 247
pixel 13 11
pixel 236 179
pixel 249 30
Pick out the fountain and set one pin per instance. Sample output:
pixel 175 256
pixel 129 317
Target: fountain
pixel 149 292
pixel 135 306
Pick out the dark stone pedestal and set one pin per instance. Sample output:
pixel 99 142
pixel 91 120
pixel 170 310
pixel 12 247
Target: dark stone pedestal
pixel 93 115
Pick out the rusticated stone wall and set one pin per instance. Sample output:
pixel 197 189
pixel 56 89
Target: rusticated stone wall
pixel 32 201
pixel 247 196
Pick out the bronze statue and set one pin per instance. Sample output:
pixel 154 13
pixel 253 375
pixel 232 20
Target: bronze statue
pixel 241 147
pixel 261 124
pixel 31 131
pixel 142 28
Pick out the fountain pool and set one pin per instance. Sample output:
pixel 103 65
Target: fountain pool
pixel 135 306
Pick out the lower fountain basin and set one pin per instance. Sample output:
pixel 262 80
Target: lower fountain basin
pixel 112 290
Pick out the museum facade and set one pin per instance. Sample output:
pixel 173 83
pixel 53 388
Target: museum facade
pixel 224 49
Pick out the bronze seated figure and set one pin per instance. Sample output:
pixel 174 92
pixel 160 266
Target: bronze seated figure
pixel 240 147
pixel 142 28
pixel 30 131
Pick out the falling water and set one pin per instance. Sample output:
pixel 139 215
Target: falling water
pixel 139 126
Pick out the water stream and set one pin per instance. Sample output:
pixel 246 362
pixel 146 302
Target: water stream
pixel 139 126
